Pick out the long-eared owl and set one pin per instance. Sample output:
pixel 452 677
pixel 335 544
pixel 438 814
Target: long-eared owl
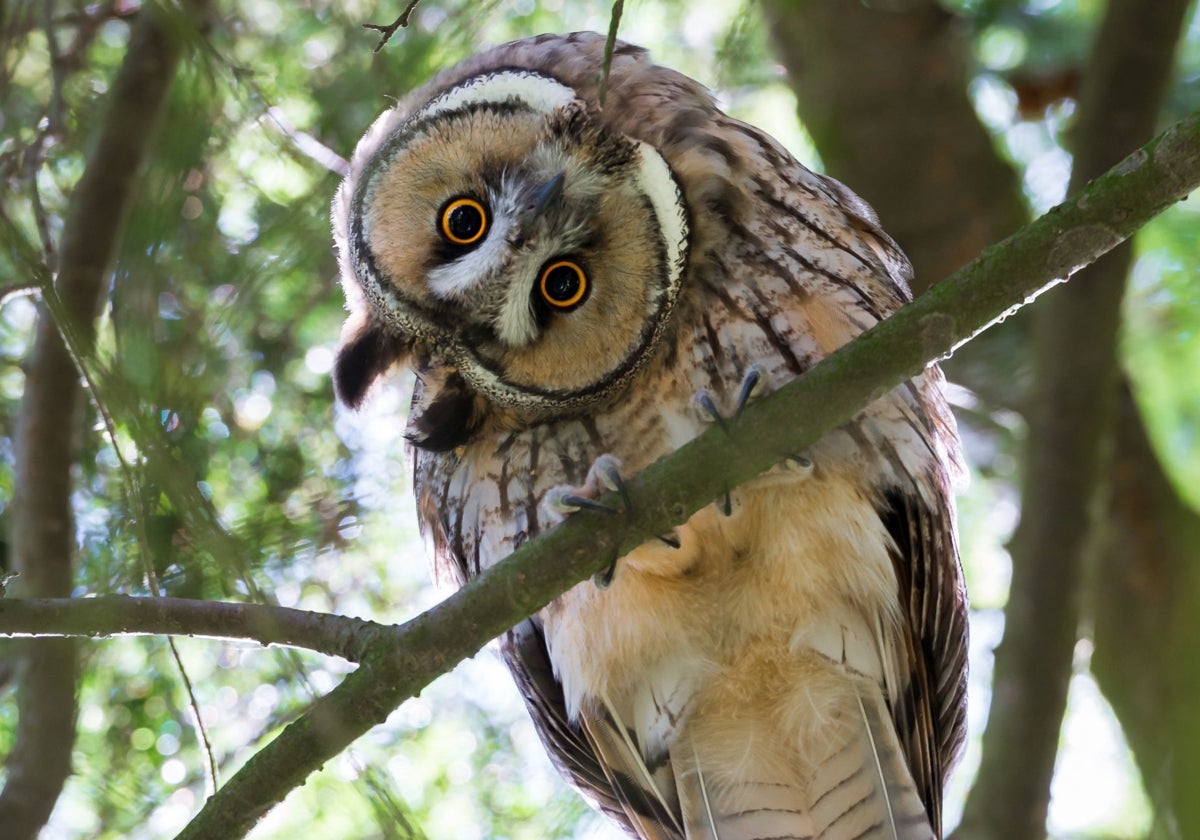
pixel 581 288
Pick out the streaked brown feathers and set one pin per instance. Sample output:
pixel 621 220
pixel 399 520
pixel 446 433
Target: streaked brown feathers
pixel 790 663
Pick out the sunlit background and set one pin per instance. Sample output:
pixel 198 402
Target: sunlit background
pixel 226 309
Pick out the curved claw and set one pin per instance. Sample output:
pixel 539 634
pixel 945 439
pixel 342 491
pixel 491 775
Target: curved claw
pixel 577 503
pixel 604 579
pixel 707 409
pixel 611 479
pixel 670 540
pixel 753 382
pixel 607 472
pixel 798 463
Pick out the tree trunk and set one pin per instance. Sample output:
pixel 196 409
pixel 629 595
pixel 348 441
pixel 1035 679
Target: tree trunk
pixel 50 425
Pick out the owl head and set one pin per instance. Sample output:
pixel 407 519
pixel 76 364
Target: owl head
pixel 499 235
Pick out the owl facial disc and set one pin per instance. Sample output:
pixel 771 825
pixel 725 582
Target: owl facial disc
pixel 503 230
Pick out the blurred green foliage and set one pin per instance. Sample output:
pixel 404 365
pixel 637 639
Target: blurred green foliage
pixel 219 460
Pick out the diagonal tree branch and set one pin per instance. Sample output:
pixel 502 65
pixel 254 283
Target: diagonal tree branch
pixel 1070 426
pixel 992 286
pixel 50 415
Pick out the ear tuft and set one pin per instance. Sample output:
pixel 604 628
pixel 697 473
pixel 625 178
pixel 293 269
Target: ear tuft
pixel 364 353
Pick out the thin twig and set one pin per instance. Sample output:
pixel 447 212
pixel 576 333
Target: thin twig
pixel 31 164
pixel 212 781
pixel 305 143
pixel 58 74
pixel 100 382
pixel 614 23
pixel 389 29
pixel 132 489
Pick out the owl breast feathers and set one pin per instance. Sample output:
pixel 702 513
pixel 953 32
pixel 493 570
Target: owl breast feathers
pixel 579 287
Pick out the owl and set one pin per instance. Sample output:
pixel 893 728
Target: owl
pixel 582 288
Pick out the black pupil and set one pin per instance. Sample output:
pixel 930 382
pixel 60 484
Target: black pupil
pixel 562 283
pixel 465 222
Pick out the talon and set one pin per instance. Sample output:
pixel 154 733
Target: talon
pixel 671 540
pixel 603 579
pixel 563 502
pixel 607 473
pixel 609 476
pixel 707 409
pixel 727 504
pixel 798 463
pixel 753 383
pixel 558 500
pixel 603 475
pixel 572 504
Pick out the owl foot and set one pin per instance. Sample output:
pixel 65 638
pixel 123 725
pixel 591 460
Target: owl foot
pixel 753 382
pixel 603 476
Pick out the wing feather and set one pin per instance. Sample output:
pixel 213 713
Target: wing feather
pixel 929 711
pixel 524 651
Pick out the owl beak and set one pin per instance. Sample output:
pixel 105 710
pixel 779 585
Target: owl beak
pixel 542 197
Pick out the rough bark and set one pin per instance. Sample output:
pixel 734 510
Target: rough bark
pixel 1070 425
pixel 49 423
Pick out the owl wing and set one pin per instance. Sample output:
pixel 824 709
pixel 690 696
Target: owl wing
pixel 930 710
pixel 918 511
pixel 915 503
pixel 575 751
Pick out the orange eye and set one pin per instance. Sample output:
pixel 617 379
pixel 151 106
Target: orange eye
pixel 464 221
pixel 563 284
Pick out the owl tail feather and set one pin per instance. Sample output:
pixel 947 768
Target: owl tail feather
pixel 644 794
pixel 865 789
pixel 861 789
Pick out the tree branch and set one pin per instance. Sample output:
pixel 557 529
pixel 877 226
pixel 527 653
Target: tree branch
pixel 387 30
pixel 1070 424
pixel 49 421
pixel 121 615
pixel 995 284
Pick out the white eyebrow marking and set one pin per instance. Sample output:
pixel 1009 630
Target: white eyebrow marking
pixel 538 92
pixel 656 181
